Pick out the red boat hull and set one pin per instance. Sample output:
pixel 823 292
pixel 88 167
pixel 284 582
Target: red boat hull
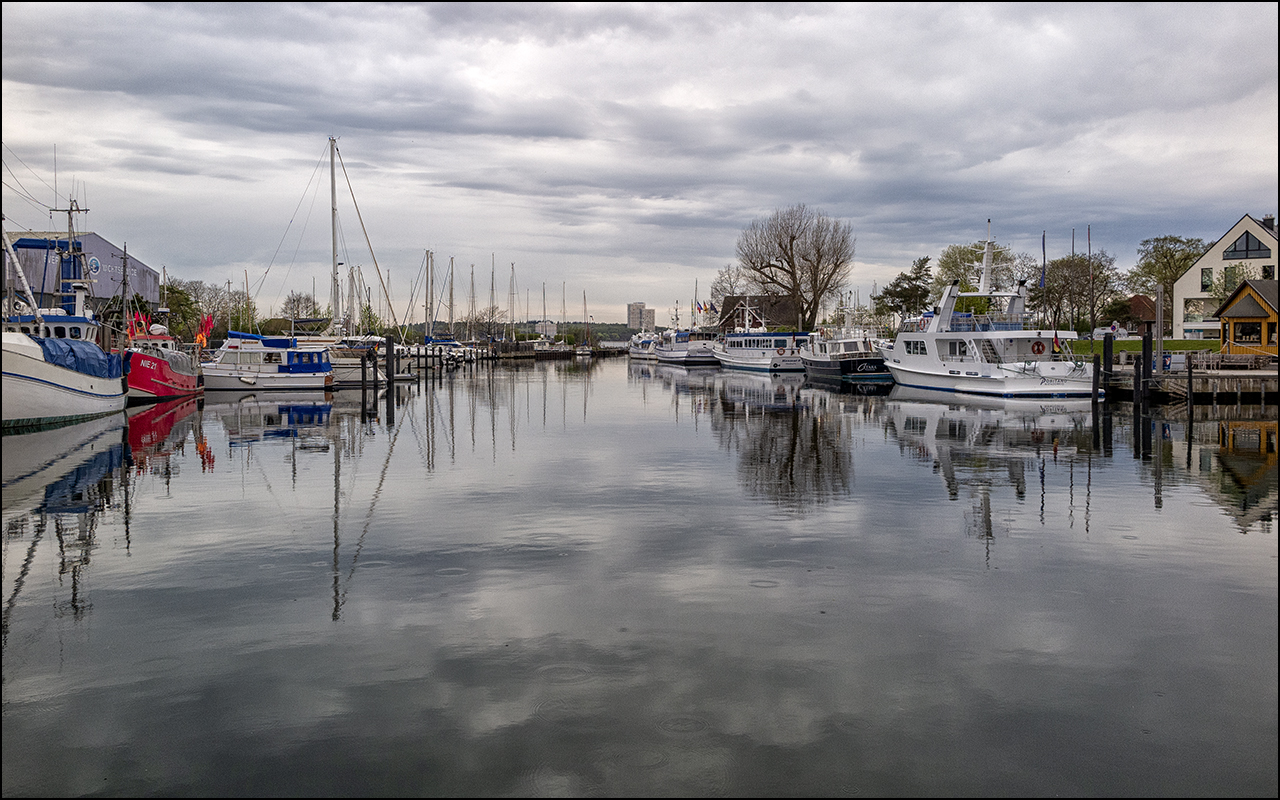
pixel 151 377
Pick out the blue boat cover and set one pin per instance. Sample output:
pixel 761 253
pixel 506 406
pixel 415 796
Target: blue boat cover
pixel 81 356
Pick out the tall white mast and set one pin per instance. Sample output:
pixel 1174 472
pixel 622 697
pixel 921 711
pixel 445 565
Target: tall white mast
pixel 335 294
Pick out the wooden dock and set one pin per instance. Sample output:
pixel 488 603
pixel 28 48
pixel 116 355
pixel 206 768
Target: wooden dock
pixel 1212 386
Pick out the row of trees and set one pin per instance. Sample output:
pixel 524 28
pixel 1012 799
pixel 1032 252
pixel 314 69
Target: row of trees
pixel 801 253
pixel 1076 291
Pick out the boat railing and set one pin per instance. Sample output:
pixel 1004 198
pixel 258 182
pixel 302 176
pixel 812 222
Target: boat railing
pixel 913 325
pixel 998 321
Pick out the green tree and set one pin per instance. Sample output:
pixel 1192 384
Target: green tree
pixel 184 316
pixel 1161 261
pixel 799 253
pixel 907 294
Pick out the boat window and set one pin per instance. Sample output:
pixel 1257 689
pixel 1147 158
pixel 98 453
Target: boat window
pixel 75 332
pixel 59 331
pixel 324 357
pixel 957 348
pixel 271 358
pixel 25 329
pixel 779 342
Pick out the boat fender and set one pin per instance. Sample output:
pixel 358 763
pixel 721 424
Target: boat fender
pixel 782 351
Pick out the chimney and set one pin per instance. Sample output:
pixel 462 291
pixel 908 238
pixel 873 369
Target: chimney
pixel 1269 222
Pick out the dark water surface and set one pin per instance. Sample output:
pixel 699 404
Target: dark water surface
pixel 568 579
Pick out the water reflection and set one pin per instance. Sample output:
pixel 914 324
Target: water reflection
pixel 549 579
pixel 66 476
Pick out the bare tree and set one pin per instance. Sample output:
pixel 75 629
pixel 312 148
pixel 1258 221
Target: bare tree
pixel 731 279
pixel 299 305
pixel 799 253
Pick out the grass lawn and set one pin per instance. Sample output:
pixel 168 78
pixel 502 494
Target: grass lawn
pixel 1135 344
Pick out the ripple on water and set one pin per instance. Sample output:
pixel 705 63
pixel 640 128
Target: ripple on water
pixel 764 584
pixel 566 673
pixel 547 780
pixel 682 725
pixel 450 572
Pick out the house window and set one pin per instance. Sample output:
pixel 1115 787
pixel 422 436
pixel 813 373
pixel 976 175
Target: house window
pixel 1268 272
pixel 1271 334
pixel 1206 279
pixel 1247 246
pixel 1249 332
pixel 1195 309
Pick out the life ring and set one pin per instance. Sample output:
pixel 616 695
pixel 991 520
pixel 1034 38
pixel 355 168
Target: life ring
pixel 782 351
pixel 1037 348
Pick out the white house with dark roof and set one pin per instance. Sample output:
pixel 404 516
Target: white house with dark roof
pixel 1250 242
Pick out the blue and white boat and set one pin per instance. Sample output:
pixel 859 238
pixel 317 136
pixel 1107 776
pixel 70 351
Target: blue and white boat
pixel 686 348
pixel 252 361
pixel 642 346
pixel 56 371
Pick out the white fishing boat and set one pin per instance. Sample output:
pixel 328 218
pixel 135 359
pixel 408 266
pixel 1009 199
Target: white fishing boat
pixel 55 369
pixel 751 346
pixel 250 360
pixel 642 346
pixel 686 348
pixel 991 348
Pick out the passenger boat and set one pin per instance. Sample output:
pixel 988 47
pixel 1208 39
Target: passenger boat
pixel 686 348
pixel 250 360
pixel 850 353
pixel 56 371
pixel 762 351
pixel 158 369
pixel 989 349
pixel 751 346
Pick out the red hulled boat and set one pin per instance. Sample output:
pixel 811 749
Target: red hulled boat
pixel 158 370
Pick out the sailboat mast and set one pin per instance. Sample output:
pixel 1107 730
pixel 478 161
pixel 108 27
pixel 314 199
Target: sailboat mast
pixel 335 294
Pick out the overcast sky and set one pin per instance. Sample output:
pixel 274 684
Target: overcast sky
pixel 619 150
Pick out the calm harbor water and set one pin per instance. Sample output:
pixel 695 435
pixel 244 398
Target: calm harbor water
pixel 609 578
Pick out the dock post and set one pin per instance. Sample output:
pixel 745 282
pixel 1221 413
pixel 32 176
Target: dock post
pixel 1108 345
pixel 1097 375
pixel 391 370
pixel 1191 385
pixel 1146 367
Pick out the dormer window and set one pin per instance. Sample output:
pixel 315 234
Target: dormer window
pixel 1247 246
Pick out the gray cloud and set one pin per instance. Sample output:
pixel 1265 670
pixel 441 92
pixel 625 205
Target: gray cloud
pixel 610 139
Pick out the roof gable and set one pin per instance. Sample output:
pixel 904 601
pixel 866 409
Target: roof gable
pixel 1249 305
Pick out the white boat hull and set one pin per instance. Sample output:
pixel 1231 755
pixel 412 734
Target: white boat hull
pixel 240 380
pixel 1039 379
pixel 763 362
pixel 39 394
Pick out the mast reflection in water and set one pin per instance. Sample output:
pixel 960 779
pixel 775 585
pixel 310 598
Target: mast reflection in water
pixel 595 577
